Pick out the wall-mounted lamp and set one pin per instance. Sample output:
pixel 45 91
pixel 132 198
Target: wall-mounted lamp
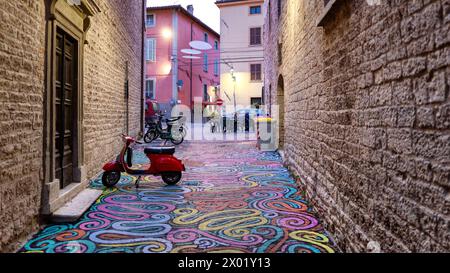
pixel 167 33
pixel 167 68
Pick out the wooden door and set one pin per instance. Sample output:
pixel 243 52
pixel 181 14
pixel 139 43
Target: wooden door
pixel 65 105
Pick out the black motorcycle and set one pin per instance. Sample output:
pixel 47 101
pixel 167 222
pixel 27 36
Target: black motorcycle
pixel 175 131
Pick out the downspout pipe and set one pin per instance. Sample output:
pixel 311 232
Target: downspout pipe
pixel 191 102
pixel 143 67
pixel 174 58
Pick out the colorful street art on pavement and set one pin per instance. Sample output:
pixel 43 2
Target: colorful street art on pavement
pixel 232 198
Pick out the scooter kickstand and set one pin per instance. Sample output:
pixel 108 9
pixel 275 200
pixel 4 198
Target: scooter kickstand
pixel 137 182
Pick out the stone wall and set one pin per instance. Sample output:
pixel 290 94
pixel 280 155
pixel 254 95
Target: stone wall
pixel 114 38
pixel 22 48
pixel 368 117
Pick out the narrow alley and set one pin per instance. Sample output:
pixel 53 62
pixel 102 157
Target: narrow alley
pixel 253 126
pixel 232 198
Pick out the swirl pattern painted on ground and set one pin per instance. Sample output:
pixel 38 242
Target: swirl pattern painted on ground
pixel 233 198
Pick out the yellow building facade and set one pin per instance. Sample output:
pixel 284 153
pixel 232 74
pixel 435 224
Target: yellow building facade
pixel 241 32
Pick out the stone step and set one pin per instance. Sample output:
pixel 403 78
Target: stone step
pixel 73 210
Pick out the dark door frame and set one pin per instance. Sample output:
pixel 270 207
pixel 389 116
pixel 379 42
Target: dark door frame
pixel 68 84
pixel 75 21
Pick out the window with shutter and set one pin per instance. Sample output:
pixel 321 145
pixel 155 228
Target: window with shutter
pixel 150 20
pixel 255 36
pixel 255 10
pixel 205 93
pixel 205 63
pixel 150 88
pixel 151 50
pixel 255 72
pixel 216 67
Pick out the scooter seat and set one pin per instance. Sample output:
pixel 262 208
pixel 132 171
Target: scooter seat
pixel 160 151
pixel 174 119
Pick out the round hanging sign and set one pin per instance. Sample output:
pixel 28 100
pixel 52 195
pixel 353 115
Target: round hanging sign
pixel 191 57
pixel 200 45
pixel 191 51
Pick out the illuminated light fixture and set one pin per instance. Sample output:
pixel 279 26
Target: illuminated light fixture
pixel 200 45
pixel 190 51
pixel 167 68
pixel 167 33
pixel 191 57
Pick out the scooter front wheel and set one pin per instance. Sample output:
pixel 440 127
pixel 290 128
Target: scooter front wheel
pixel 171 178
pixel 110 179
pixel 183 131
pixel 150 136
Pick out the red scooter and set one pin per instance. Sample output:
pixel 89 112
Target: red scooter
pixel 162 163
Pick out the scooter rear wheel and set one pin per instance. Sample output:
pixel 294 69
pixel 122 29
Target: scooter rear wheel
pixel 177 140
pixel 110 179
pixel 171 178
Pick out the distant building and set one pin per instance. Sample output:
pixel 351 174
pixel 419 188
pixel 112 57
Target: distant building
pixel 170 77
pixel 241 32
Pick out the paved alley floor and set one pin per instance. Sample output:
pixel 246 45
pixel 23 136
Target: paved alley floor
pixel 232 198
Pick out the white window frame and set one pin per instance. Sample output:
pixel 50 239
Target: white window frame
pixel 149 58
pixel 154 20
pixel 154 88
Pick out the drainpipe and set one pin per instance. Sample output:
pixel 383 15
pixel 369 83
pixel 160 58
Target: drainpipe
pixel 143 66
pixel 174 58
pixel 127 98
pixel 191 105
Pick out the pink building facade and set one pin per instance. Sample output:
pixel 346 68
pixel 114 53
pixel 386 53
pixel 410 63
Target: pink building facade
pixel 171 78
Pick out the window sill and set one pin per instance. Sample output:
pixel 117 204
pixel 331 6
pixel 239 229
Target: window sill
pixel 327 12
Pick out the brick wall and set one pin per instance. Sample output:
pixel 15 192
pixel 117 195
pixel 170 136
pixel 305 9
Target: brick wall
pixel 21 98
pixel 115 37
pixel 368 117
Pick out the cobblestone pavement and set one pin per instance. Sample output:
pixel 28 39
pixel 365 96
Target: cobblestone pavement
pixel 232 198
